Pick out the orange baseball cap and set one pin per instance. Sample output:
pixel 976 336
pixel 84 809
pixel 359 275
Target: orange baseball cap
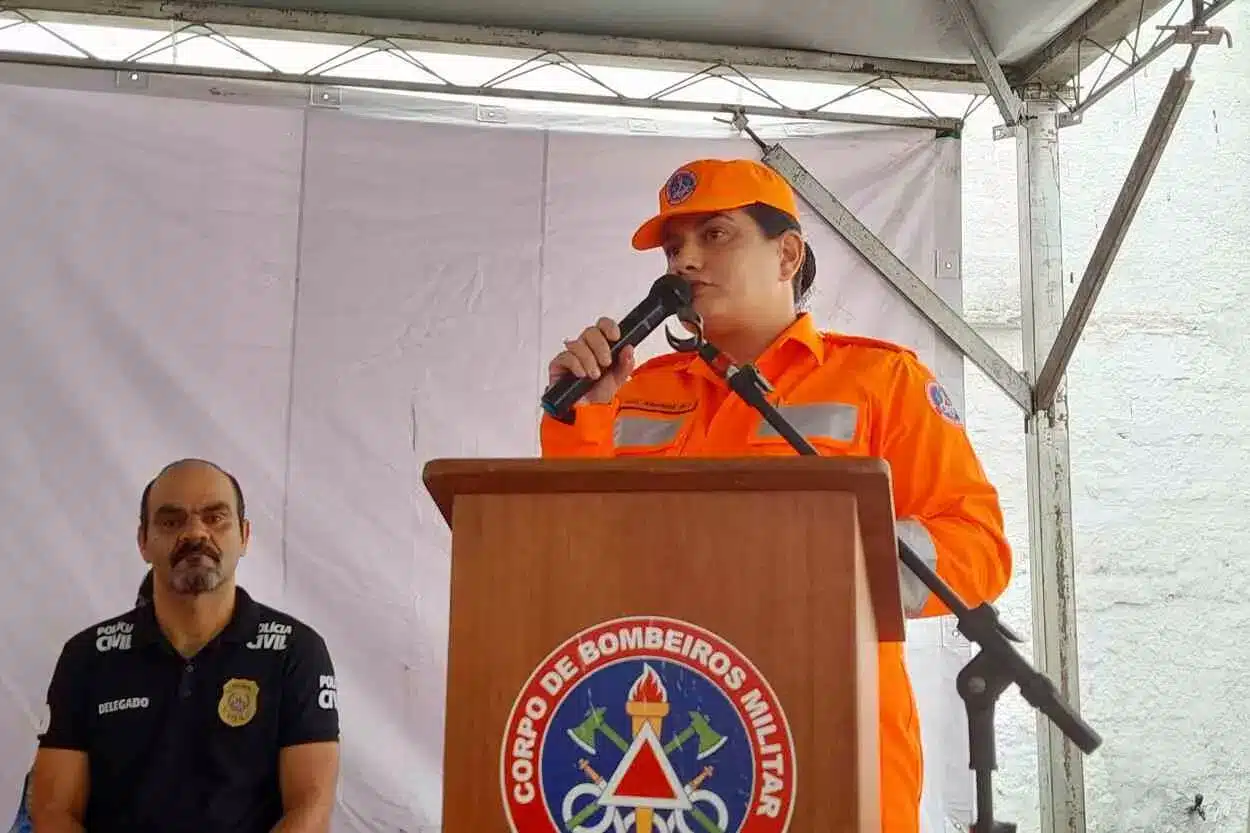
pixel 707 186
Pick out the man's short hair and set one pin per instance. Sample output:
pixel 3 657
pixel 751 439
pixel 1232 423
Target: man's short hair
pixel 147 490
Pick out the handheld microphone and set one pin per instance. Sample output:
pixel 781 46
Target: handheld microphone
pixel 668 294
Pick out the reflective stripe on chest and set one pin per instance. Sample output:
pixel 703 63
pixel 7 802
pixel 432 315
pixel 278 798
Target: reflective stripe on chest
pixel 828 420
pixel 633 430
pixel 832 421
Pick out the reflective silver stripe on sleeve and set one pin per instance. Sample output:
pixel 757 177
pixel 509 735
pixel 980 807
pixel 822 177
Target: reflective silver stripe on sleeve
pixel 634 431
pixel 830 420
pixel 915 594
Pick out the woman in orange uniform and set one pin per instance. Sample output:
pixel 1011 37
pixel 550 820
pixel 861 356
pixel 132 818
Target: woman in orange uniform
pixel 731 229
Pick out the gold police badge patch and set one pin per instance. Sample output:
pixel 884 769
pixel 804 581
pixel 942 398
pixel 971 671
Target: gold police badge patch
pixel 237 705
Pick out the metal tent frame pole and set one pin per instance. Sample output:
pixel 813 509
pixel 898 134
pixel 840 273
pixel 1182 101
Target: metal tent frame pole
pixel 1061 790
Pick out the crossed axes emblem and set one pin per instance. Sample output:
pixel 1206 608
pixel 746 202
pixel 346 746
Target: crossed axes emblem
pixel 587 732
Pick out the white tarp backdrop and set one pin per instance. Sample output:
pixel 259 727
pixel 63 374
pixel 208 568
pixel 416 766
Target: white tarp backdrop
pixel 321 302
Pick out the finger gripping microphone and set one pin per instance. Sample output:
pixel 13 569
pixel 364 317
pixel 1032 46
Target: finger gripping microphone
pixel 668 294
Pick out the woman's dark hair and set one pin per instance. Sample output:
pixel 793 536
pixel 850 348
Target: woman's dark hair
pixel 774 222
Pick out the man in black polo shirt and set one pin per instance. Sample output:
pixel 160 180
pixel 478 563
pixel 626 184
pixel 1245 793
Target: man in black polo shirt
pixel 203 712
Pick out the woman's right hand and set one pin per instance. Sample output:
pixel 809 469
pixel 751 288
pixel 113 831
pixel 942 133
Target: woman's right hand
pixel 588 356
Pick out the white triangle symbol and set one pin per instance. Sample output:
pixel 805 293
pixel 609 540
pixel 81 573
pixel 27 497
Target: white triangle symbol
pixel 675 800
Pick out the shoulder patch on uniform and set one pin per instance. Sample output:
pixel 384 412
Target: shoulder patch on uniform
pixel 941 402
pixel 845 340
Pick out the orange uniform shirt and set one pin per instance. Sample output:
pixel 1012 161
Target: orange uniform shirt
pixel 849 396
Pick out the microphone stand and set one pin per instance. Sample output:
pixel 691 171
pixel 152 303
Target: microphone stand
pixel 997 664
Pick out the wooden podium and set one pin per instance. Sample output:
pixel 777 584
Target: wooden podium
pixel 675 645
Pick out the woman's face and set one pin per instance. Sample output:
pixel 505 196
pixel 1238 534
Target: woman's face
pixel 738 275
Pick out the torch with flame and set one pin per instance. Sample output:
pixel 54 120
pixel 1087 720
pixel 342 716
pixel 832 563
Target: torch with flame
pixel 647 705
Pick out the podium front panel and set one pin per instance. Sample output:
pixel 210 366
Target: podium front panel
pixel 680 662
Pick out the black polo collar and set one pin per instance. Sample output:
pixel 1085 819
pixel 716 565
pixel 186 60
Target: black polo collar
pixel 241 628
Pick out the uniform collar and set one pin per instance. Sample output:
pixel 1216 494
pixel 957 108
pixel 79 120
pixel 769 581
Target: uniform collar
pixel 241 627
pixel 800 337
pixel 804 332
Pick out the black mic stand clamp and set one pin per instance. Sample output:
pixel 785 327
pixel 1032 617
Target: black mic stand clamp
pixel 997 664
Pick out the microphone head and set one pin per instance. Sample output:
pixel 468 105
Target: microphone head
pixel 673 291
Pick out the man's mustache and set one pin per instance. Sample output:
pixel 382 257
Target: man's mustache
pixel 187 550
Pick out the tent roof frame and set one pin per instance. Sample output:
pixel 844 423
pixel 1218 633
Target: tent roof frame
pixel 1055 66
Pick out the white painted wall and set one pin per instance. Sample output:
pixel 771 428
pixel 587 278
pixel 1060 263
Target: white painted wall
pixel 1159 396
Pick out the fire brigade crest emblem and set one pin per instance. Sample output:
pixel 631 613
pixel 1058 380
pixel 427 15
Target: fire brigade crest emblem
pixel 647 725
